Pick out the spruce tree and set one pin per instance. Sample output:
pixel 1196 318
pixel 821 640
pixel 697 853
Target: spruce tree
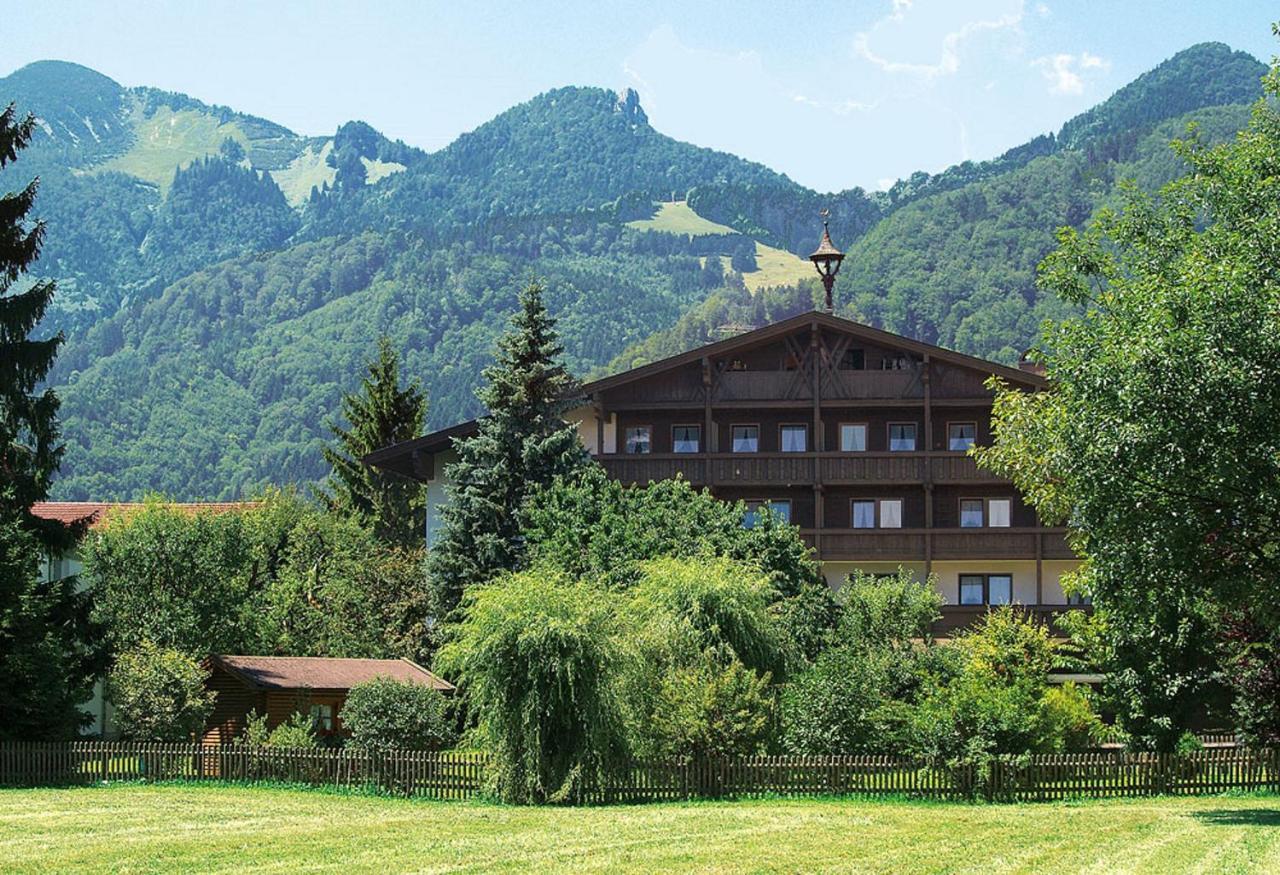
pixel 381 413
pixel 46 663
pixel 520 444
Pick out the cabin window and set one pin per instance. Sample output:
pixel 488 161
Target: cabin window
pixel 864 514
pixel 746 438
pixel 737 365
pixel 895 363
pixel 686 439
pixel 971 513
pixel 999 589
pixel 853 360
pixel 779 507
pixel 891 513
pixel 853 437
pixel 637 439
pixel 998 512
pixel 961 436
pixel 986 589
pixel 794 438
pixel 322 717
pixel 902 437
pixel 972 589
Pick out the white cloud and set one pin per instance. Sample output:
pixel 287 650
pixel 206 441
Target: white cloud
pixel 909 27
pixel 1064 71
pixel 1043 10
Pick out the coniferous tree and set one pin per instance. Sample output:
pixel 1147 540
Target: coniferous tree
pixel 46 665
pixel 381 413
pixel 521 443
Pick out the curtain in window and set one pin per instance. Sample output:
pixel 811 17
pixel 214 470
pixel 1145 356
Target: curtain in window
pixel 864 514
pixel 891 514
pixel 998 510
pixel 853 438
pixel 999 589
pixel 793 439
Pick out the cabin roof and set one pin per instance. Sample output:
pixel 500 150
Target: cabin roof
pixel 94 513
pixel 322 673
pixel 398 457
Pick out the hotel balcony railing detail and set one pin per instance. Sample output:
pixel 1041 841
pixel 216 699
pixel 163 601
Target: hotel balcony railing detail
pixel 711 469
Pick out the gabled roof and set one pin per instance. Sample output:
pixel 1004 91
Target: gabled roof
pixel 322 673
pixel 398 457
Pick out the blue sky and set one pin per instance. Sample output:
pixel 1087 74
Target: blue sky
pixel 833 94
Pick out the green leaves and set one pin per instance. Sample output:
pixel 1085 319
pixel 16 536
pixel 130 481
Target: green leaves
pixel 158 694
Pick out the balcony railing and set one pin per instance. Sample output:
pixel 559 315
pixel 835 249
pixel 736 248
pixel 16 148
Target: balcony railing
pixel 948 543
pixel 795 468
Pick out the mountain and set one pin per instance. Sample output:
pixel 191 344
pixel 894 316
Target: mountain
pixel 223 279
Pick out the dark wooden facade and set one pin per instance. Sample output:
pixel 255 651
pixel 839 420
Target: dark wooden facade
pixel 816 373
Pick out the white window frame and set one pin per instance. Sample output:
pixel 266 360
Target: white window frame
pixel 915 437
pixel 782 436
pixel 951 439
pixel 675 443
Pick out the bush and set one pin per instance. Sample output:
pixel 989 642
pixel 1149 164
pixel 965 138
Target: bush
pixel 385 714
pixel 538 655
pixel 857 695
pixel 158 694
pixel 712 708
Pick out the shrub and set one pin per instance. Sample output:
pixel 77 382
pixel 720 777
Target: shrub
pixel 385 714
pixel 1068 721
pixel 298 731
pixel 711 708
pixel 538 654
pixel 158 694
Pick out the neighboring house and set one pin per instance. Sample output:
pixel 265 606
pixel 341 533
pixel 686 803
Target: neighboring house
pixel 87 516
pixel 280 686
pixel 856 435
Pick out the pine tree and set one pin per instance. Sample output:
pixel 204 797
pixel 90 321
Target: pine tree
pixel 381 413
pixel 521 443
pixel 46 663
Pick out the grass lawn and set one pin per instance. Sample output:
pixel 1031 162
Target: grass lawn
pixel 214 828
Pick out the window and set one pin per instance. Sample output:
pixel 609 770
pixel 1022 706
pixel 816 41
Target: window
pixel 891 513
pixel 998 512
pixel 322 717
pixel 794 438
pixel 1079 599
pixel 902 436
pixel 686 439
pixel 971 513
pixel 986 589
pixel 779 507
pixel 853 437
pixel 961 435
pixel 972 589
pixel 637 439
pixel 746 438
pixel 895 363
pixel 999 589
pixel 978 512
pixel 853 360
pixel 864 514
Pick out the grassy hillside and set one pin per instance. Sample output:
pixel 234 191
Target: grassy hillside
pixel 676 217
pixel 167 140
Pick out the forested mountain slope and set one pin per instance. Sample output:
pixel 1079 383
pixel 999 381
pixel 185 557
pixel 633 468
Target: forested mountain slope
pixel 222 279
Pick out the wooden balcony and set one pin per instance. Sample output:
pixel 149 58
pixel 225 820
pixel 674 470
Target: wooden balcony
pixel 779 469
pixel 956 618
pixel 903 545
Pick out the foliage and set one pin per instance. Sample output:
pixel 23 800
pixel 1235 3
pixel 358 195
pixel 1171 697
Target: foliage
pixel 380 414
pixel 711 707
pixel 1158 443
pixel 857 695
pixel 299 731
pixel 46 658
pixel 998 700
pixel 522 442
pixel 277 576
pixel 158 694
pixel 385 714
pixel 536 654
pixel 592 526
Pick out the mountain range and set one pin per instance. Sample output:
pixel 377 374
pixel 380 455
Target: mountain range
pixel 222 280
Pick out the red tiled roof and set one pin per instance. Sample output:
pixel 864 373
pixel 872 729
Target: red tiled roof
pixel 93 512
pixel 324 673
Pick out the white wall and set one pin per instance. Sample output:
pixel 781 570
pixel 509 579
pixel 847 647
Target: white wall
pixel 948 574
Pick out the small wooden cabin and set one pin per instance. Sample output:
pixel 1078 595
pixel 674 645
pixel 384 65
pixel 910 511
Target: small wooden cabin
pixel 280 686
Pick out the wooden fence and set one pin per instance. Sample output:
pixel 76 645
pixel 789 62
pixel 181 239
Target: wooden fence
pixel 453 775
